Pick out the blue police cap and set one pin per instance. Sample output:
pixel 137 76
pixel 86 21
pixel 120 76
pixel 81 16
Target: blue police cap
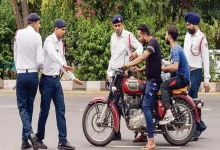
pixel 33 17
pixel 192 18
pixel 59 23
pixel 117 19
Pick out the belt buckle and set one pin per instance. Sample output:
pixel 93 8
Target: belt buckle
pixel 54 76
pixel 192 68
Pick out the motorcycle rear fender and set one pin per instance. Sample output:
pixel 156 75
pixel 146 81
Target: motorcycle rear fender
pixel 189 99
pixel 113 108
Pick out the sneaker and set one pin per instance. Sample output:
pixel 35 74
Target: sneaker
pixel 167 119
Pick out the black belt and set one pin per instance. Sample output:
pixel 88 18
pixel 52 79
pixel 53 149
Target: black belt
pixel 50 76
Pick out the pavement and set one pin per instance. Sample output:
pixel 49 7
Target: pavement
pixel 76 102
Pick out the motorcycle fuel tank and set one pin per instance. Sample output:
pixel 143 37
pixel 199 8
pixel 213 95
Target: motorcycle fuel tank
pixel 133 85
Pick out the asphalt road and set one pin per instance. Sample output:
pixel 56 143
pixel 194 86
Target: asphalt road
pixel 10 125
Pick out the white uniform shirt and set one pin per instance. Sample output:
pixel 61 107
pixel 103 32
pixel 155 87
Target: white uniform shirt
pixel 28 51
pixel 119 46
pixel 192 46
pixel 54 57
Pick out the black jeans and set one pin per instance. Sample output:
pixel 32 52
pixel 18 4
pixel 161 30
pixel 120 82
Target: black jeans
pixel 173 83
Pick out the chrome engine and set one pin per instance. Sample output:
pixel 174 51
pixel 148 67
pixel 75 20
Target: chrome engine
pixel 137 119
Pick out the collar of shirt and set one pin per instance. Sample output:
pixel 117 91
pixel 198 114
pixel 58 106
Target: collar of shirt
pixel 123 33
pixel 196 34
pixel 30 27
pixel 55 38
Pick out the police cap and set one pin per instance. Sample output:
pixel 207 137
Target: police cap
pixel 59 23
pixel 33 17
pixel 117 19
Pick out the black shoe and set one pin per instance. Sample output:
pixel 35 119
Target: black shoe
pixel 65 146
pixel 25 145
pixel 194 139
pixel 33 139
pixel 117 136
pixel 41 145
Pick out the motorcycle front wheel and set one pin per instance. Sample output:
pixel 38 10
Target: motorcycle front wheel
pixel 98 134
pixel 180 131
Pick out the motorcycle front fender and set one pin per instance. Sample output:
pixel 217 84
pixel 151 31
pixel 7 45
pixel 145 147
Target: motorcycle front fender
pixel 189 99
pixel 112 107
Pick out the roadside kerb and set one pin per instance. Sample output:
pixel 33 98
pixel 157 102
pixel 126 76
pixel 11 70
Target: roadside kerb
pixel 92 86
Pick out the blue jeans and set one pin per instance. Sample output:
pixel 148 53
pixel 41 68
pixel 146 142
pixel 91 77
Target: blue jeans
pixel 196 79
pixel 26 84
pixel 150 93
pixel 50 88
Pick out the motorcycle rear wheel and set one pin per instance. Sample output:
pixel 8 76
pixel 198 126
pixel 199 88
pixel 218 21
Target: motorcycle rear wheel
pixel 95 134
pixel 172 129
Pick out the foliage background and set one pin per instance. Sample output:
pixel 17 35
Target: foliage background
pixel 89 27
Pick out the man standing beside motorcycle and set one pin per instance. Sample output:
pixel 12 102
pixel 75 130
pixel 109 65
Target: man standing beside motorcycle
pixel 197 53
pixel 122 42
pixel 180 66
pixel 152 56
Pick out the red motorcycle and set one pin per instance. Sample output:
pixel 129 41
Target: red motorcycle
pixel 100 120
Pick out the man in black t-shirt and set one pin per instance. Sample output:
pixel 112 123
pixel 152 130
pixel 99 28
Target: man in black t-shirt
pixel 152 56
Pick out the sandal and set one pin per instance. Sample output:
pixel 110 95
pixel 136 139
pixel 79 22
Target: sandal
pixel 146 148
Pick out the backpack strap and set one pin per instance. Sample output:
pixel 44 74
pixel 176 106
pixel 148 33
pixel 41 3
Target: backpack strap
pixel 129 41
pixel 200 49
pixel 63 44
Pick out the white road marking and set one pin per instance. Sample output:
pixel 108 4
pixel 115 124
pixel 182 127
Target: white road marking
pixel 206 109
pixel 158 147
pixel 8 106
pixel 81 109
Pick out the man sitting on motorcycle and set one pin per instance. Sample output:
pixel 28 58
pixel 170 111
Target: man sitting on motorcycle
pixel 180 66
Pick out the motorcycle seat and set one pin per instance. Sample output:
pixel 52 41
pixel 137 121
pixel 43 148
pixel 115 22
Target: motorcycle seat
pixel 181 90
pixel 177 91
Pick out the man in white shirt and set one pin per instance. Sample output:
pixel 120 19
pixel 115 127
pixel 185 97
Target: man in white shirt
pixel 121 45
pixel 197 53
pixel 28 57
pixel 50 86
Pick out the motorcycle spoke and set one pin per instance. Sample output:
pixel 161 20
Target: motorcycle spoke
pixel 182 124
pixel 99 132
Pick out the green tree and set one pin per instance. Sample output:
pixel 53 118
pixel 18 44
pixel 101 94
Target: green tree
pixel 7 28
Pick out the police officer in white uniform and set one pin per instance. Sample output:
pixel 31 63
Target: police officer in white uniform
pixel 50 87
pixel 197 53
pixel 121 45
pixel 28 57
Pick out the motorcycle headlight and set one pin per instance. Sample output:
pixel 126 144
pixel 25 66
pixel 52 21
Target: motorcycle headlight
pixel 114 89
pixel 199 105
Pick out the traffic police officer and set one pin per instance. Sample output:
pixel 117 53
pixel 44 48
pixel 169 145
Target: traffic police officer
pixel 50 86
pixel 121 45
pixel 197 53
pixel 28 57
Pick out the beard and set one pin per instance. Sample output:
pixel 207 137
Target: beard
pixel 191 31
pixel 167 41
pixel 143 43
